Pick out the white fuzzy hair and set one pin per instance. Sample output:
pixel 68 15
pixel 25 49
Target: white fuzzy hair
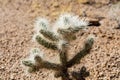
pixel 64 21
pixel 61 44
pixel 79 22
pixel 68 20
pixel 34 37
pixel 61 23
pixel 35 52
pixel 41 23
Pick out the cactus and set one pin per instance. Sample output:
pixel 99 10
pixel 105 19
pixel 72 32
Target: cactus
pixel 57 38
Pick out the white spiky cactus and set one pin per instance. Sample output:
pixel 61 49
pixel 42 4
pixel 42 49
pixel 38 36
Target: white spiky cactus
pixel 69 20
pixel 57 38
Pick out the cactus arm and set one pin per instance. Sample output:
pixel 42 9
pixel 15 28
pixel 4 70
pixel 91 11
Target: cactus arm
pixel 40 63
pixel 82 53
pixel 70 30
pixel 32 67
pixel 67 34
pixel 46 43
pixel 46 64
pixel 52 66
pixel 63 58
pixel 49 35
pixel 28 63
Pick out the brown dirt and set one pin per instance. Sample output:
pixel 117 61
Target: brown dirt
pixel 16 30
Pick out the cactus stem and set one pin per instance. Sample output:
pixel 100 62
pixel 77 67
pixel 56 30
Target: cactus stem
pixel 82 53
pixel 63 58
pixel 46 43
pixel 45 64
pixel 49 35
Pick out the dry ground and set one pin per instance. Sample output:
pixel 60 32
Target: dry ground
pixel 16 30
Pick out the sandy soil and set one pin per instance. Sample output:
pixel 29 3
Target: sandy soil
pixel 16 29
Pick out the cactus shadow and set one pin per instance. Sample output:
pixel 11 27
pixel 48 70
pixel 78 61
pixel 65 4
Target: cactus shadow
pixel 80 75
